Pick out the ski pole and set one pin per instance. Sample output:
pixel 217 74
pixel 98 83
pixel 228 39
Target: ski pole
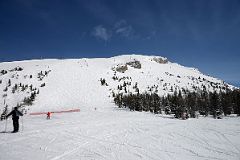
pixel 22 124
pixel 6 125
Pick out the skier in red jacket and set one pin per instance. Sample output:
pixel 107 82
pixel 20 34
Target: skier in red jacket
pixel 48 115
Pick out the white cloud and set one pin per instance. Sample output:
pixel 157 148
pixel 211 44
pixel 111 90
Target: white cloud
pixel 123 28
pixel 102 33
pixel 125 31
pixel 120 23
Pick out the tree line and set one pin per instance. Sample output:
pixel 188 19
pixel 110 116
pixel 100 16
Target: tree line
pixel 202 102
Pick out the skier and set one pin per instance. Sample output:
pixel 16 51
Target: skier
pixel 15 116
pixel 48 115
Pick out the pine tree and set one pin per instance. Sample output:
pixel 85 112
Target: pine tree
pixel 202 101
pixel 191 103
pixel 214 103
pixel 9 82
pixel 14 88
pixel 236 101
pixel 226 102
pixel 4 113
pixel 42 85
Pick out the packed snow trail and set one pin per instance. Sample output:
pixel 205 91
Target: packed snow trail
pixel 114 134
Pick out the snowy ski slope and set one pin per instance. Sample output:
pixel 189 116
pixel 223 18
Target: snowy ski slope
pixel 112 134
pixel 100 130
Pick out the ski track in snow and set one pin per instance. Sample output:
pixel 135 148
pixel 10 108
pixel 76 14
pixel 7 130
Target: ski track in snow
pixel 118 134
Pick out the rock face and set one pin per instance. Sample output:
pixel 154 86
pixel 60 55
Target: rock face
pixel 135 64
pixel 124 67
pixel 160 60
pixel 121 68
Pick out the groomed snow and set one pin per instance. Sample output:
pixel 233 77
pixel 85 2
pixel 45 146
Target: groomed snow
pixel 113 134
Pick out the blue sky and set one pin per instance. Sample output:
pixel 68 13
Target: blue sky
pixel 199 33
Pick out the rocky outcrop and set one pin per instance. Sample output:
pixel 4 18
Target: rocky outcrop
pixel 121 68
pixel 160 60
pixel 135 64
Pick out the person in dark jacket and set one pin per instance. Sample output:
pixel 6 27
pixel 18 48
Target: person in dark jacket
pixel 15 117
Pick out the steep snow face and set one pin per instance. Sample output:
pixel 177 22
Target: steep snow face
pixel 89 83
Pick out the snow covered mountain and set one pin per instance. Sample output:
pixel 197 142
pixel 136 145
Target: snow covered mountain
pixel 56 84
